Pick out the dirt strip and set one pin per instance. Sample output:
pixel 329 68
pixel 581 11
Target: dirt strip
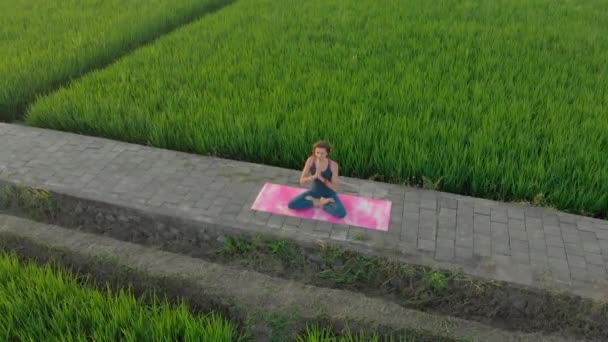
pixel 249 292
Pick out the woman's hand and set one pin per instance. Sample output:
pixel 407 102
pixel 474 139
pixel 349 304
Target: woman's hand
pixel 317 174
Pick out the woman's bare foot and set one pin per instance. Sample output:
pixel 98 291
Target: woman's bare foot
pixel 315 202
pixel 323 201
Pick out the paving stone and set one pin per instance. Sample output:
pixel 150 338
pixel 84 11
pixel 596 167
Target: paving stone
pixel 411 209
pixel 537 245
pixel 516 224
pixel 594 259
pixel 603 246
pixel 499 228
pixel 576 261
pixel 444 254
pixel 533 212
pixel 574 249
pixel 539 259
pixel 395 228
pixel 518 235
pixel 261 217
pixel 519 246
pixel 583 225
pixel 591 247
pixel 597 272
pixel 587 236
pixel 307 225
pixel 522 258
pixel 602 234
pixel 293 221
pixel 448 203
pixel 498 214
pixel 428 204
pixel 550 219
pixel 556 252
pixel 567 227
pixel 555 241
pixel 323 226
pixel 533 223
pixel 481 224
pixel 579 273
pixel 536 234
pixel 276 221
pixel 515 213
pixel 412 195
pixel 482 209
pixel 464 241
pixel 202 203
pixel 446 233
pixel 560 269
pixel 482 249
pixel 572 238
pixel 552 230
pixel 463 253
pixel 426 245
pixel 464 213
pixel 428 225
pixel 445 243
pixel 450 228
pixel 339 233
pixel 407 247
pixel 482 239
pixel 501 249
pixel 230 211
pixel 464 228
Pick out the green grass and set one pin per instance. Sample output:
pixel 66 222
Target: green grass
pixel 44 44
pixel 500 99
pixel 316 333
pixel 440 292
pixel 45 303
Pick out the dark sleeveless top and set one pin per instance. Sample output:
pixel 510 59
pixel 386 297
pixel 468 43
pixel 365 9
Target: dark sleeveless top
pixel 318 187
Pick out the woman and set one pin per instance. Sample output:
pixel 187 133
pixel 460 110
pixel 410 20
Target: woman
pixel 323 173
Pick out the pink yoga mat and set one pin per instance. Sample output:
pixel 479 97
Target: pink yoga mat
pixel 360 211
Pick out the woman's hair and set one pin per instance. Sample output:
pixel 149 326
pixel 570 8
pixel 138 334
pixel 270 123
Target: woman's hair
pixel 321 144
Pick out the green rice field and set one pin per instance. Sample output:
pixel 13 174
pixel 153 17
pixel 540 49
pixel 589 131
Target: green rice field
pixel 44 44
pixel 43 303
pixel 46 303
pixel 499 99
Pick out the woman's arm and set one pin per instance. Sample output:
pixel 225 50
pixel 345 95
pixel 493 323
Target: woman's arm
pixel 333 183
pixel 304 178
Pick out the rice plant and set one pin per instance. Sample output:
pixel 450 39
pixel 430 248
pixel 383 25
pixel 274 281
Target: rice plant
pixel 44 44
pixel 501 99
pixel 46 303
pixel 317 333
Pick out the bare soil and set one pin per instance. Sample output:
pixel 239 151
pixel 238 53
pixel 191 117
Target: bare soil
pixel 497 304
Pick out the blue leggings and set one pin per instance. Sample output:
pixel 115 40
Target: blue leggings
pixel 335 208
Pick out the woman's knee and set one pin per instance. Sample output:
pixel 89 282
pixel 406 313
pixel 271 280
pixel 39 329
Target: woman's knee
pixel 340 212
pixel 299 202
pixel 293 204
pixel 336 210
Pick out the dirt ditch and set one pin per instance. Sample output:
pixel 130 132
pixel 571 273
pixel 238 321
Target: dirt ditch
pixel 285 326
pixel 494 303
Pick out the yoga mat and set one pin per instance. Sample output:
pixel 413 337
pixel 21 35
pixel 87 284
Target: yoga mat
pixel 360 211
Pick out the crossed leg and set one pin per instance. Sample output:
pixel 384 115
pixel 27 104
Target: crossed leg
pixel 319 202
pixel 332 204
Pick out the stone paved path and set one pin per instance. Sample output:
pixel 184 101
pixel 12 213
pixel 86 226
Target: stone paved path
pixel 522 244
